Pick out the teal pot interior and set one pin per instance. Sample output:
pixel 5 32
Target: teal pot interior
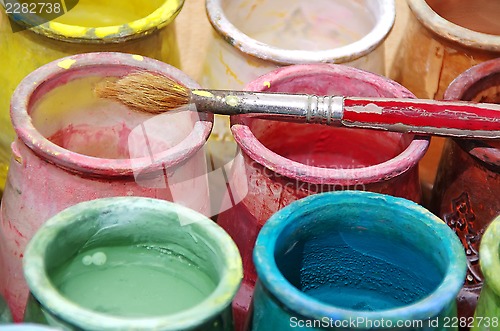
pixel 133 264
pixel 343 256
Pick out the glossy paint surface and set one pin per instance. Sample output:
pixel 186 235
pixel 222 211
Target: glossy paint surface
pixel 95 229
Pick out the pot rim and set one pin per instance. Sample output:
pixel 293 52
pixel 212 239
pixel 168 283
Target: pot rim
pixel 302 304
pixel 93 166
pixel 236 38
pixel 480 149
pixel 451 31
pixel 258 152
pixel 489 253
pixel 158 19
pixel 46 293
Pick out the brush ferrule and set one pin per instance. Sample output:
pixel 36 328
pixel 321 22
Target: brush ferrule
pixel 325 110
pixel 281 106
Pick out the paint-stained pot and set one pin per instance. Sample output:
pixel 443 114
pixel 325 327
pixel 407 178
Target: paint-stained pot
pixel 281 162
pixel 441 40
pixel 184 268
pixel 252 38
pixel 72 147
pixel 136 27
pixel 488 306
pixel 467 186
pixel 356 261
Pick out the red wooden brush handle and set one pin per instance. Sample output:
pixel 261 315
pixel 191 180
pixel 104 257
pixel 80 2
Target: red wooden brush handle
pixel 458 119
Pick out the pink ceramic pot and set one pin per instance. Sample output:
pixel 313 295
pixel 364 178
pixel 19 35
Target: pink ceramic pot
pixel 72 148
pixel 283 162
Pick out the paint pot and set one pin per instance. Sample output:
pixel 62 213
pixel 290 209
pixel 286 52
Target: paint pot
pixel 444 38
pixel 132 263
pixel 73 147
pixel 488 306
pixel 282 162
pixel 135 26
pixel 363 257
pixel 468 179
pixel 251 38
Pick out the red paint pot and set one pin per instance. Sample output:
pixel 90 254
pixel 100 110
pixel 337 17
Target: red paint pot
pixel 283 162
pixel 467 187
pixel 72 147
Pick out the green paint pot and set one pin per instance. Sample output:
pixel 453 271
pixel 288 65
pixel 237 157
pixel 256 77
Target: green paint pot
pixel 487 315
pixel 131 264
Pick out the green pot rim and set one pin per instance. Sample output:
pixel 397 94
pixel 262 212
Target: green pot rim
pixel 44 291
pixel 489 255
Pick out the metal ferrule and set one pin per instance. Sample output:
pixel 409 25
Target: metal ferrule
pixel 279 106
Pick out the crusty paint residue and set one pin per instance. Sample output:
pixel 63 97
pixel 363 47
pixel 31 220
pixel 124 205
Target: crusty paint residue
pixel 203 93
pixel 138 57
pixel 232 100
pixel 369 108
pixel 66 64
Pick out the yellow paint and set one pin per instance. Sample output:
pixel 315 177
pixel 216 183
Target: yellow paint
pixel 66 64
pixel 107 31
pixel 64 30
pixel 232 100
pixel 95 20
pixel 203 93
pixel 138 57
pixel 267 84
pixel 18 159
pixel 53 106
pixel 229 71
pixel 22 52
pixel 91 13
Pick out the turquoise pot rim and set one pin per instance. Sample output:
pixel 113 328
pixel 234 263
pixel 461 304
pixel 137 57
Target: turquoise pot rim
pixel 45 292
pixel 489 255
pixel 301 304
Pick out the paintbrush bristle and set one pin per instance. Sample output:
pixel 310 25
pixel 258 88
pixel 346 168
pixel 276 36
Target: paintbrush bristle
pixel 146 92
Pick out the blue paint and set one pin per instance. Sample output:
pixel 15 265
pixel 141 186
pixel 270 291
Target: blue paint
pixel 347 255
pixel 359 271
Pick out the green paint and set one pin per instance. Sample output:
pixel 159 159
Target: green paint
pixel 133 281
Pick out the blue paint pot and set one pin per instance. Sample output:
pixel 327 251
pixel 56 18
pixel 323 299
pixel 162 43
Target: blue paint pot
pixel 356 260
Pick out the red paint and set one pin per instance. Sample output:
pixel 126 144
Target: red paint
pixel 467 186
pixel 284 162
pixel 422 114
pixel 110 142
pixel 80 163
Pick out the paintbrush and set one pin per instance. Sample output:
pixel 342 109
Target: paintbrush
pixel 155 93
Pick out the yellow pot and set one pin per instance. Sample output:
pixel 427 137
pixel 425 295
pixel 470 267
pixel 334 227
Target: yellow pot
pixel 132 26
